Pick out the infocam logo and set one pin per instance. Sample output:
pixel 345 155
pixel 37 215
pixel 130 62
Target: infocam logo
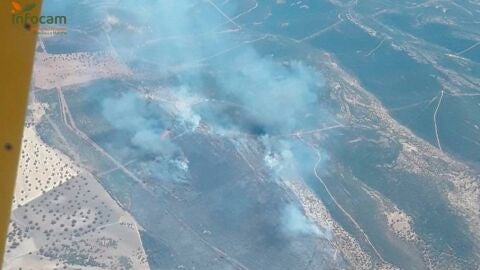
pixel 43 24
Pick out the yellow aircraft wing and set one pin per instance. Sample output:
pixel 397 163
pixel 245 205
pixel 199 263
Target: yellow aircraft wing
pixel 16 61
